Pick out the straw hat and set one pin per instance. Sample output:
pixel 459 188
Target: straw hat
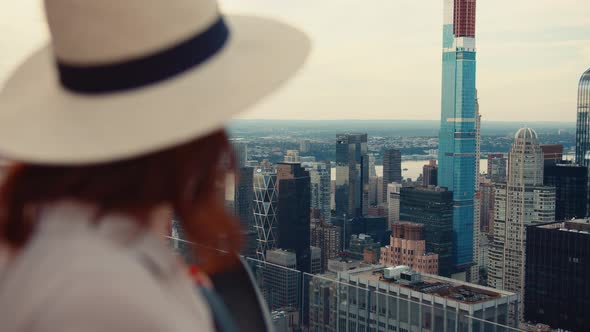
pixel 125 78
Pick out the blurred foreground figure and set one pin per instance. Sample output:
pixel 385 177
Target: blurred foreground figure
pixel 112 126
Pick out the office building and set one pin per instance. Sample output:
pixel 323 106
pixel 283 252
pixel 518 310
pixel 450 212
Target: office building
pixel 341 264
pixel 305 146
pixel 292 156
pixel 240 150
pixel 392 169
pixel 316 260
pixel 327 237
pixel 429 174
pixel 433 208
pixel 293 186
pixel 320 180
pixel 323 304
pixel 285 320
pixel 352 175
pixel 397 299
pixel 408 247
pixel 486 211
pixel 571 189
pixel 373 191
pixel 265 211
pixel 372 169
pixel 378 211
pixel 583 121
pixel 552 153
pixel 557 274
pixel 244 197
pixel 364 247
pixel 393 202
pixel 281 279
pixel 522 201
pixel 497 167
pixel 457 136
pixel 473 272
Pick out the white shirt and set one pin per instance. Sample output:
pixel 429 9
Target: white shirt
pixel 76 274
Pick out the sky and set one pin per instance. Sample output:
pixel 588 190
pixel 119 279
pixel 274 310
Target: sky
pixel 381 59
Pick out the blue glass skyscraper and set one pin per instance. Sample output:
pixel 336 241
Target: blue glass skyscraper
pixel 457 137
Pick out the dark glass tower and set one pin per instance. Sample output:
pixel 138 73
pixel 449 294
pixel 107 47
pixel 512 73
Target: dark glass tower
pixel 352 175
pixel 392 169
pixel 583 122
pixel 432 207
pixel 294 212
pixel 457 137
pixel 571 189
pixel 557 274
pixel 244 207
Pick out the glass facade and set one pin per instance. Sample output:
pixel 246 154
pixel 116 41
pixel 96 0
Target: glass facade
pixel 352 175
pixel 293 212
pixel 571 189
pixel 265 211
pixel 433 208
pixel 457 137
pixel 392 169
pixel 557 274
pixel 583 124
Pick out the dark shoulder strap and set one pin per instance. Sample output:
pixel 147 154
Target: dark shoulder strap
pixel 245 303
pixel 224 321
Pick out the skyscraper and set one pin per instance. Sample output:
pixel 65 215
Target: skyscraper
pixel 392 169
pixel 265 211
pixel 557 274
pixel 457 137
pixel 486 212
pixel 571 189
pixel 432 207
pixel 281 279
pixel 429 174
pixel 473 273
pixel 293 185
pixel 305 146
pixel 583 121
pixel 240 152
pixel 320 177
pixel 522 201
pixel 393 202
pixel 328 238
pixel 497 166
pixel 244 207
pixel 352 175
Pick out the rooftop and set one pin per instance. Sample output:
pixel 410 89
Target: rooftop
pixel 574 225
pixel 437 286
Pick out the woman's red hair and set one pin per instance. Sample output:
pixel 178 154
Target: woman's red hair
pixel 188 177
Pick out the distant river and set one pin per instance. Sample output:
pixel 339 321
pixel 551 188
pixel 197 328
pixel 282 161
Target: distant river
pixel 413 168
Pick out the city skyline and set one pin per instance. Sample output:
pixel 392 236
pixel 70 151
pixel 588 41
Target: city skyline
pixel 542 46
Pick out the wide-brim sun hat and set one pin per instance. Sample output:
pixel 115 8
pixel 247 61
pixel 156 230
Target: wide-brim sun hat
pixel 121 79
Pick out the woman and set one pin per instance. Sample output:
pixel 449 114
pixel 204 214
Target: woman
pixel 114 125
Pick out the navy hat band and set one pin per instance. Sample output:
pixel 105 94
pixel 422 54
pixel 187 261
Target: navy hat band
pixel 144 71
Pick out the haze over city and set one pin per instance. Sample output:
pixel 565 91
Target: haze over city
pixel 381 59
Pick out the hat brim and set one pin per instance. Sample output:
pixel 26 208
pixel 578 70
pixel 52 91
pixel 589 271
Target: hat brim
pixel 41 122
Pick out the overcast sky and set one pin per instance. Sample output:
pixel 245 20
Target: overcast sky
pixel 381 59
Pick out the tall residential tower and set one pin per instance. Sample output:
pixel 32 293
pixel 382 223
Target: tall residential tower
pixel 583 122
pixel 457 137
pixel 521 202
